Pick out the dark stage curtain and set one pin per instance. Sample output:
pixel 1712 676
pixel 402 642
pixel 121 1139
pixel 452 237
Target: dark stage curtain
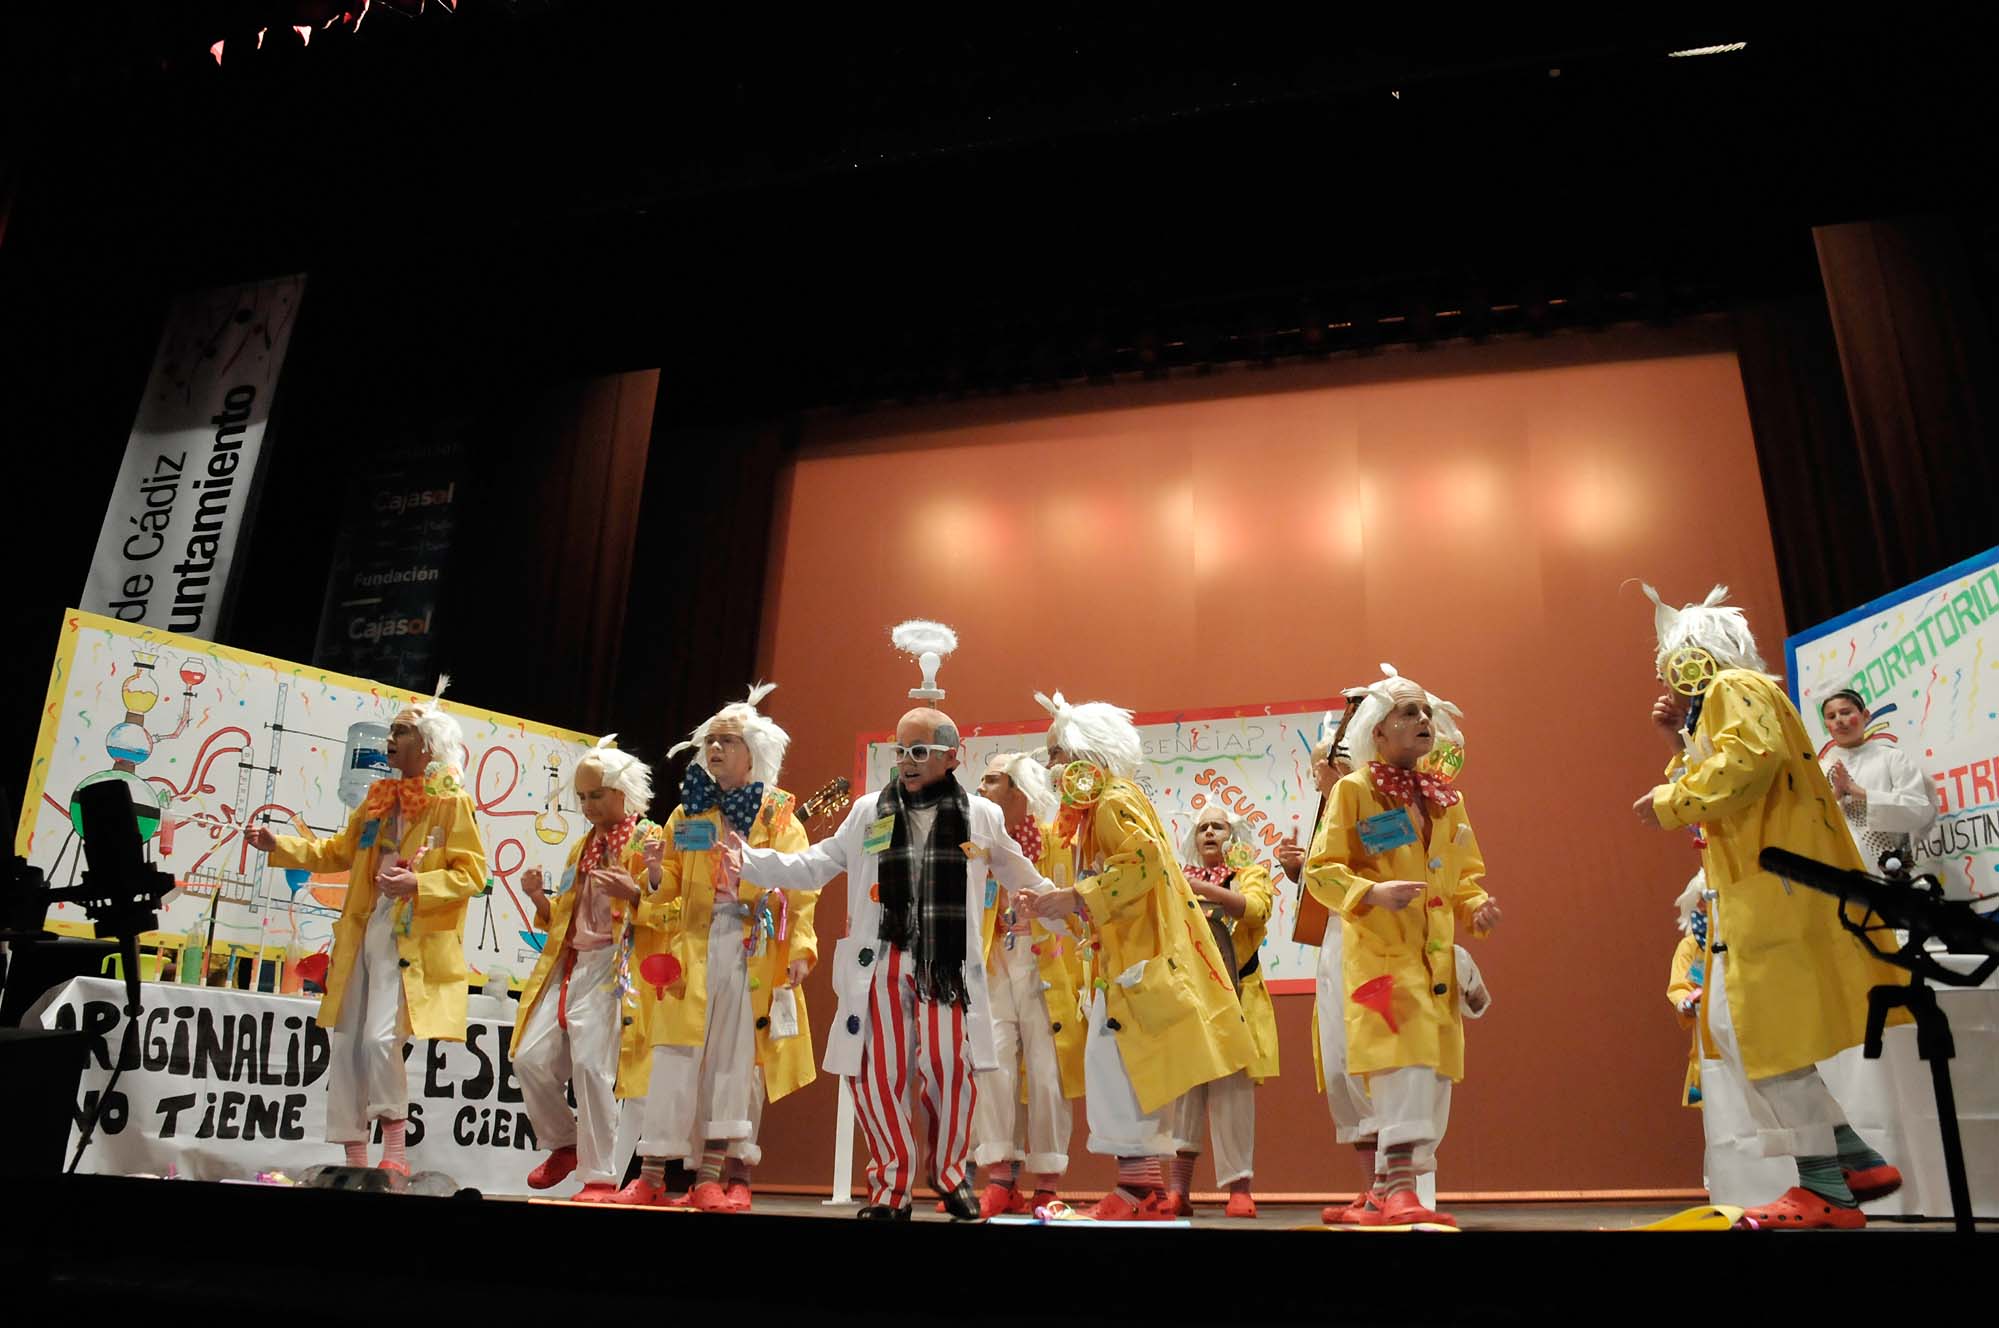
pixel 1872 403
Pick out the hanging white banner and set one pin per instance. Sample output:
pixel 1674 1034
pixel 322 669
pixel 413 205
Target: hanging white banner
pixel 184 490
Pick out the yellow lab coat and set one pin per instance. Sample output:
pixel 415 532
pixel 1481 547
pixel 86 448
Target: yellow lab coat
pixel 1797 981
pixel 1172 1008
pixel 683 904
pixel 1246 932
pixel 1412 947
pixel 432 948
pixel 1058 955
pixel 788 1064
pixel 1687 957
pixel 634 1052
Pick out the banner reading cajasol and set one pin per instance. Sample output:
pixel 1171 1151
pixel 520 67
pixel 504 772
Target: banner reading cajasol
pixel 182 495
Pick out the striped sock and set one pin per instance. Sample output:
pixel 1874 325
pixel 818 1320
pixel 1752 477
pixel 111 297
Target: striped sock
pixel 1138 1176
pixel 737 1172
pixel 392 1143
pixel 652 1170
pixel 1822 1176
pixel 1854 1154
pixel 711 1162
pixel 1398 1169
pixel 1006 1174
pixel 1181 1176
pixel 357 1153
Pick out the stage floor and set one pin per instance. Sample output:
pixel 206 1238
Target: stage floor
pixel 298 1256
pixel 1472 1217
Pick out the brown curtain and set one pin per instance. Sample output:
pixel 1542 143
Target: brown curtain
pixel 696 599
pixel 534 610
pixel 1915 350
pixel 1872 402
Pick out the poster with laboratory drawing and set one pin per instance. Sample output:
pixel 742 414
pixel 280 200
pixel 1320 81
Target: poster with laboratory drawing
pixel 1255 759
pixel 210 740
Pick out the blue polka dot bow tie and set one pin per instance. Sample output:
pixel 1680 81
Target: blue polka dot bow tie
pixel 699 792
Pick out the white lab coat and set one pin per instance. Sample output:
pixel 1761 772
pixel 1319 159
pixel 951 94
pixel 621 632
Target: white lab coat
pixel 842 852
pixel 1900 804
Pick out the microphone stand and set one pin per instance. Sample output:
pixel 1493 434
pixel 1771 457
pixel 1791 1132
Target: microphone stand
pixel 1922 900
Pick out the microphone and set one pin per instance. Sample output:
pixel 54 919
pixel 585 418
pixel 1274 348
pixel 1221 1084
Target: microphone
pixel 1921 911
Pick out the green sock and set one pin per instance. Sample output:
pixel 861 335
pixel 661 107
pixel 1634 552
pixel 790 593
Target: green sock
pixel 1854 1154
pixel 1822 1176
pixel 711 1162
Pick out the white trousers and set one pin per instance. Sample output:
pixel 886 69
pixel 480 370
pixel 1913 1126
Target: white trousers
pixel 746 1149
pixel 1794 1114
pixel 1003 1130
pixel 572 1038
pixel 365 1078
pixel 1229 1103
pixel 1117 1127
pixel 1411 1105
pixel 1346 1095
pixel 702 1093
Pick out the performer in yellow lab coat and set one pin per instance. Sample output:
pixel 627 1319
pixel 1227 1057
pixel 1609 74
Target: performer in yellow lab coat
pixel 1164 1016
pixel 1793 989
pixel 1236 900
pixel 1396 858
pixel 1023 1117
pixel 704 1038
pixel 413 858
pixel 580 1013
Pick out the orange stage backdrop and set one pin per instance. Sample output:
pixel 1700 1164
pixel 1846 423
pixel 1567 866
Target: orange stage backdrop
pixel 1470 515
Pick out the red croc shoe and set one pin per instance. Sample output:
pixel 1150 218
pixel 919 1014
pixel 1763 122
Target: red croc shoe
pixel 598 1192
pixel 1403 1209
pixel 1798 1209
pixel 554 1169
pixel 709 1197
pixel 641 1193
pixel 1041 1199
pixel 1240 1204
pixel 1114 1207
pixel 1871 1183
pixel 1354 1214
pixel 1175 1204
pixel 997 1199
pixel 738 1193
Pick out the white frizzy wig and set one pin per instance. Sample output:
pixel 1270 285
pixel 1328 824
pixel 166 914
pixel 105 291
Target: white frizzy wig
pixel 1190 850
pixel 442 737
pixel 1034 782
pixel 1377 700
pixel 623 772
pixel 766 741
pixel 1095 731
pixel 1720 629
pixel 1689 899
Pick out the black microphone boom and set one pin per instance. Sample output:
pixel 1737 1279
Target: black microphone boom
pixel 1906 906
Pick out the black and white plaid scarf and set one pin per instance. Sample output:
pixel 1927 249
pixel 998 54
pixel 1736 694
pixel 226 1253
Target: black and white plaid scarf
pixel 927 922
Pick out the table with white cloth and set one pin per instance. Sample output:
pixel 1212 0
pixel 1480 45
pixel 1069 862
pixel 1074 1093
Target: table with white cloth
pixel 221 1084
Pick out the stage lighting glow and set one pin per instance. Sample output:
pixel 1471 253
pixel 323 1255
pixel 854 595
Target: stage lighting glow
pixel 1723 49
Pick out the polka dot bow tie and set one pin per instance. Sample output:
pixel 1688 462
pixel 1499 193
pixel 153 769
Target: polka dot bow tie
pixel 699 792
pixel 1408 785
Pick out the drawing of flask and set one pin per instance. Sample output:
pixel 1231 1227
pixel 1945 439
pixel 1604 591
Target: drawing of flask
pixel 550 825
pixel 366 760
pixel 139 692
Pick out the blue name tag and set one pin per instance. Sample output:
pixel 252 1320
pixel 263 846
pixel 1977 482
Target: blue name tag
pixel 369 830
pixel 694 836
pixel 1387 830
pixel 992 892
pixel 568 881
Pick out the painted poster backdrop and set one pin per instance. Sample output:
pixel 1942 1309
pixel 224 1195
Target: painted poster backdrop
pixel 1927 660
pixel 211 740
pixel 1254 758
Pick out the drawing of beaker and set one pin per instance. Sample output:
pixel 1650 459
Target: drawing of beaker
pixel 140 692
pixel 366 760
pixel 550 825
pixel 192 672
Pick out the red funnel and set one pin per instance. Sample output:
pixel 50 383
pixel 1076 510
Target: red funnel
pixel 662 971
pixel 312 968
pixel 1378 994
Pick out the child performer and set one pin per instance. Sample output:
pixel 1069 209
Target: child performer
pixel 580 1021
pixel 1397 859
pixel 413 857
pixel 1236 898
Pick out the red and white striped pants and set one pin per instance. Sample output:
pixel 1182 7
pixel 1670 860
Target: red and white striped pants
pixel 914 1094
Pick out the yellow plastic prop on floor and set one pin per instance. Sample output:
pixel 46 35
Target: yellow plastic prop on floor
pixel 1705 1217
